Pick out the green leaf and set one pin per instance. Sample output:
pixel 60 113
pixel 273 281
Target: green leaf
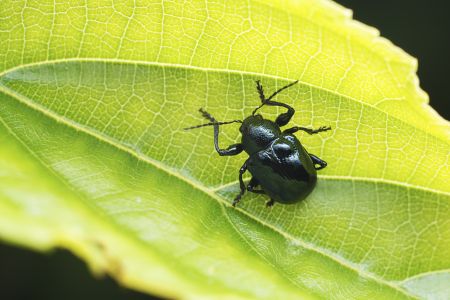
pixel 93 158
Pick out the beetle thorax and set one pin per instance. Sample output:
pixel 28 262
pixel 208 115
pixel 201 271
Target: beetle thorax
pixel 258 133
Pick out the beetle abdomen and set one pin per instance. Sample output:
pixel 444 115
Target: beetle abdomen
pixel 284 170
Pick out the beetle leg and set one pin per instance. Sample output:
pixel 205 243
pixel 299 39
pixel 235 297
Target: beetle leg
pixel 241 184
pixel 317 161
pixel 252 184
pixel 283 118
pixel 308 130
pixel 234 149
pixel 270 203
pixel 231 150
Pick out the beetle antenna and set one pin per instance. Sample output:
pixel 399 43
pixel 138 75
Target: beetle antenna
pixel 213 122
pixel 254 111
pixel 263 98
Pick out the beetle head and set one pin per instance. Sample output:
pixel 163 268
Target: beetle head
pixel 249 121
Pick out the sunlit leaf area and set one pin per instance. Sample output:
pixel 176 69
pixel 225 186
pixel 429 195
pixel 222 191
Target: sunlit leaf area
pixel 94 97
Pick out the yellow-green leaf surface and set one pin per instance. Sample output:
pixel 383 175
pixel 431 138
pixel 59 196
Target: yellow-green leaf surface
pixel 93 158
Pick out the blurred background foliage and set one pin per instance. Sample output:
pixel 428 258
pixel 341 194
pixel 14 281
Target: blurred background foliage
pixel 420 28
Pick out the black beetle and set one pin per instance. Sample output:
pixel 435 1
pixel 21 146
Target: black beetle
pixel 277 160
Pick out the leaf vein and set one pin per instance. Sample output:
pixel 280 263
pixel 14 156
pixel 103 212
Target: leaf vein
pixel 173 172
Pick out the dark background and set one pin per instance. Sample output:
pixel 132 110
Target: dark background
pixel 421 28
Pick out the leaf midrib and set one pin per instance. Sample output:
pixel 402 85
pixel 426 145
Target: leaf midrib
pixel 173 172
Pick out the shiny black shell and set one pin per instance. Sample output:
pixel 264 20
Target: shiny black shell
pixel 284 170
pixel 277 160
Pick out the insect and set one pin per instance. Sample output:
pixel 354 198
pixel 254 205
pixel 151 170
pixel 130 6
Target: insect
pixel 278 162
